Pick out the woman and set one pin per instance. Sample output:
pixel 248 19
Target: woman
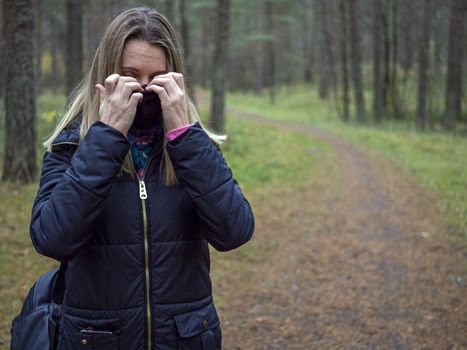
pixel 132 190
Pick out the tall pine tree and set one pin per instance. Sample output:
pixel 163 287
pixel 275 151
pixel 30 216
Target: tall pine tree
pixel 20 92
pixel 219 65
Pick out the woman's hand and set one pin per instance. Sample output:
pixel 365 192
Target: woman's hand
pixel 171 90
pixel 118 102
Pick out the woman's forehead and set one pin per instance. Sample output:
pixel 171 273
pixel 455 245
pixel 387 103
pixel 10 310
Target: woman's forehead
pixel 141 55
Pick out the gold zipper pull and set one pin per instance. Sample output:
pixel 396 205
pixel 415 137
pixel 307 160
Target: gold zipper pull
pixel 142 190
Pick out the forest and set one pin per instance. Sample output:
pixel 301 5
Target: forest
pixel 372 60
pixel 346 124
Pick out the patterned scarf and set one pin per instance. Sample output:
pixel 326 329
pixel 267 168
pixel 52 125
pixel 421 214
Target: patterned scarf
pixel 142 143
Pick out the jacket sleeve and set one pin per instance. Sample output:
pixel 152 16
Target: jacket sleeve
pixel 72 189
pixel 225 214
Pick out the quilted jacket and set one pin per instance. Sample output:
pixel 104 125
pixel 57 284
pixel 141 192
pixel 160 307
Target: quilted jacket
pixel 137 252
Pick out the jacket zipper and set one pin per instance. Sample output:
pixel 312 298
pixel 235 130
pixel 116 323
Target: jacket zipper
pixel 143 195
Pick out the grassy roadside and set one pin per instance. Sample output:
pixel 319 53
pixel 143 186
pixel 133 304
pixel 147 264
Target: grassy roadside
pixel 260 158
pixel 436 159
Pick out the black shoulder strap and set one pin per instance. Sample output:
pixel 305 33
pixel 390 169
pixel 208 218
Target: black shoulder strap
pixel 59 288
pixel 58 294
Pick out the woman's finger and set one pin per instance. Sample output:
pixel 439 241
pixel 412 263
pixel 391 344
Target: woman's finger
pixel 131 86
pixel 110 83
pixel 101 91
pixel 169 85
pixel 135 99
pixel 178 77
pixel 161 92
pixel 121 83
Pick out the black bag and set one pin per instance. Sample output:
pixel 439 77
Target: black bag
pixel 36 326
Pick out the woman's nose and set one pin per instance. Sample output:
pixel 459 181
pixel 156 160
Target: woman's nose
pixel 144 81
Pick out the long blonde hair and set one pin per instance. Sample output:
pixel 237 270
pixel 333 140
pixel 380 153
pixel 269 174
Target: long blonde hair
pixel 142 23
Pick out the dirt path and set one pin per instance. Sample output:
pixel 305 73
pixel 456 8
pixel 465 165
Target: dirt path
pixel 363 265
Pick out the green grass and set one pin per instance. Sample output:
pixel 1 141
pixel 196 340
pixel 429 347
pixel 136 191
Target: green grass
pixel 261 155
pixel 297 103
pixel 437 159
pixel 20 265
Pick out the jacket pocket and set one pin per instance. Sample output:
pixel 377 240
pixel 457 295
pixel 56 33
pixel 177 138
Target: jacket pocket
pixel 199 329
pixel 90 334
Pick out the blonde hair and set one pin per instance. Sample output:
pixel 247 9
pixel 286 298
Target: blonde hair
pixel 141 23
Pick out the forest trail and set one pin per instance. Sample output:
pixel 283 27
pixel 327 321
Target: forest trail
pixel 363 265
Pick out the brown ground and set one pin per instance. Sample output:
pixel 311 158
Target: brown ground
pixel 364 264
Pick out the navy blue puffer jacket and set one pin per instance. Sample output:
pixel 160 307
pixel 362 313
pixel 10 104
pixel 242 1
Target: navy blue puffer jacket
pixel 136 250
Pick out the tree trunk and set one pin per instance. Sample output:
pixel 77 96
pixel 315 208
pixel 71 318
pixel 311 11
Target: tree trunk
pixel 377 74
pixel 356 62
pixel 116 6
pixel 345 76
pixel 308 44
pixel 423 49
pixel 259 57
pixel 454 75
pixel 271 50
pixel 394 95
pixel 20 102
pixel 386 54
pixel 170 11
pixel 185 29
pixel 93 29
pixel 55 76
pixel 324 76
pixel 219 65
pixel 287 47
pixel 39 42
pixel 439 40
pixel 2 52
pixel 74 45
pixel 408 21
pixel 206 39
